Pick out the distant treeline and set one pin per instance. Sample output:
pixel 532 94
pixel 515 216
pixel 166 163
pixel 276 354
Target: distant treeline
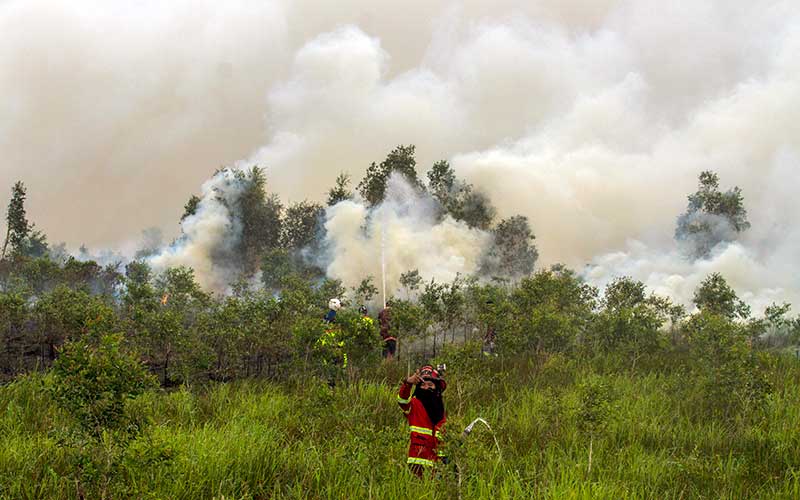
pixel 184 333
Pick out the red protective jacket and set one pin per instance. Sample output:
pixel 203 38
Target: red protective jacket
pixel 426 438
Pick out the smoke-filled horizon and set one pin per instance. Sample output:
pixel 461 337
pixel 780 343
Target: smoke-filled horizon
pixel 592 120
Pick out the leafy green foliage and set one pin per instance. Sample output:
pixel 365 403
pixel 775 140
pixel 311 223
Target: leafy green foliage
pixel 458 198
pixel 512 254
pixel 17 224
pixel 726 366
pixel 410 281
pixel 593 407
pixel 340 191
pixel 93 382
pixel 365 291
pixel 24 238
pixel 401 160
pixel 191 207
pixel 711 216
pixel 301 224
pixel 260 216
pixel 716 296
pixel 630 321
pixel 550 311
pixel 13 315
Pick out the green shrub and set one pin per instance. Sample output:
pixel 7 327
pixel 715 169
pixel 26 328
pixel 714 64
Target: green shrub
pixel 93 381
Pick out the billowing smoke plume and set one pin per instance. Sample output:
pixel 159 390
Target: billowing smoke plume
pixel 210 235
pixel 592 120
pixel 406 232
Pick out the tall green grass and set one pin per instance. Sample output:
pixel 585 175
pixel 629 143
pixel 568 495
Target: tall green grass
pixel 254 439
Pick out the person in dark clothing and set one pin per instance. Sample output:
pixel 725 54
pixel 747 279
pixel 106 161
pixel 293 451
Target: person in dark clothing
pixel 389 340
pixel 491 333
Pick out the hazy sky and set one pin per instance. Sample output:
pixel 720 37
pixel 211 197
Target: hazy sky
pixel 593 118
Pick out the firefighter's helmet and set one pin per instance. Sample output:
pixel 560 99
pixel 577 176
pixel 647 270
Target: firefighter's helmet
pixel 428 372
pixel 334 304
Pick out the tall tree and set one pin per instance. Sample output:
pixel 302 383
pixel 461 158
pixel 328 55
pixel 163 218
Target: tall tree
pixel 512 254
pixel 711 216
pixel 261 218
pixel 716 296
pixel 442 182
pixel 18 228
pixel 475 209
pixel 301 225
pixel 401 160
pixel 191 207
pixel 458 198
pixel 340 191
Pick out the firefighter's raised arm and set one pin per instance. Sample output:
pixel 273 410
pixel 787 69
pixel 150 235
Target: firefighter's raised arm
pixel 407 392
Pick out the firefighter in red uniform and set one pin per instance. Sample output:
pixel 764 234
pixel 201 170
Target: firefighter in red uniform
pixel 420 398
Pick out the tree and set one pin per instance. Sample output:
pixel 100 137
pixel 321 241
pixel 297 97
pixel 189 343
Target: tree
pixel 550 310
pixel 301 225
pixel 341 191
pixel 13 314
pixel 458 198
pixel 711 217
pixel 623 292
pixel 261 218
pixel 67 314
pixel 716 296
pixel 512 253
pixel 442 182
pixel 453 303
pixel 724 364
pixel 166 334
pixel 475 209
pixel 630 321
pixel 365 290
pixel 410 281
pixel 92 381
pixel 276 266
pixel 593 409
pixel 152 240
pixel 401 160
pixel 191 207
pixel 18 228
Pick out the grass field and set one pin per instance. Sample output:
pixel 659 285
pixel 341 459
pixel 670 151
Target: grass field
pixel 254 439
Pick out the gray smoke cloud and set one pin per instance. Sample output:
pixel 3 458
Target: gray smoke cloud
pixel 591 118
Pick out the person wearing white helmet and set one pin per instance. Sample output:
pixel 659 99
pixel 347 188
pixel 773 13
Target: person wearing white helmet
pixel 333 306
pixel 330 346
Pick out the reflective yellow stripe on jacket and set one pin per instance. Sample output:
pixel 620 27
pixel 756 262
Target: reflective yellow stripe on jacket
pixel 422 430
pixel 420 461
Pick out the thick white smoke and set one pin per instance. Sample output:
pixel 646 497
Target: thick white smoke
pixel 406 232
pixel 591 118
pixel 209 236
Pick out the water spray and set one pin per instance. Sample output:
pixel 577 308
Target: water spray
pixel 466 432
pixel 383 262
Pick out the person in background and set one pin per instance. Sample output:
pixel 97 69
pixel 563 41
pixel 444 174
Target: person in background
pixel 333 306
pixel 389 340
pixel 491 333
pixel 329 347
